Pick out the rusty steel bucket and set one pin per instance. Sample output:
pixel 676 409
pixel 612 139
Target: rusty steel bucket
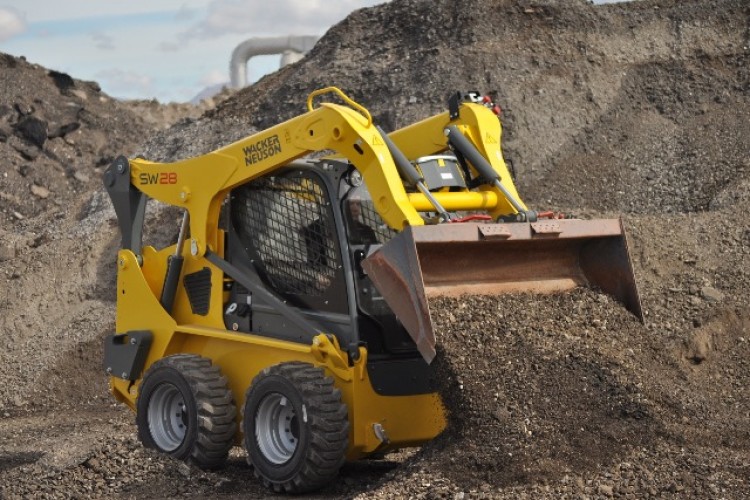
pixel 547 256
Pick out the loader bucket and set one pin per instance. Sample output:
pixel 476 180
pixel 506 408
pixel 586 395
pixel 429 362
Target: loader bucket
pixel 423 262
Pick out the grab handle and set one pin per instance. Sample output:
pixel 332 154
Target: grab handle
pixel 344 97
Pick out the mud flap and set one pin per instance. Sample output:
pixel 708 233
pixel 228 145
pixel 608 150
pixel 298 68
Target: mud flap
pixel 491 259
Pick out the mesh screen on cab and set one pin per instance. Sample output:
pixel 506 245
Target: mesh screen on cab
pixel 289 224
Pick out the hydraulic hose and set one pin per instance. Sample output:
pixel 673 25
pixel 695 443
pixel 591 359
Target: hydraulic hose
pixel 174 267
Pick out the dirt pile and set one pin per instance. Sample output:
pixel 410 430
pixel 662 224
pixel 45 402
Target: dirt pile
pixel 162 115
pixel 640 107
pixel 571 395
pixel 57 135
pixel 644 103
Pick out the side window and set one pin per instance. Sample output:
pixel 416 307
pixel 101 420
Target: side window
pixel 288 223
pixel 363 223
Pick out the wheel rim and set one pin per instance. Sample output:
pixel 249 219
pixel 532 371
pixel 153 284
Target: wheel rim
pixel 276 428
pixel 167 417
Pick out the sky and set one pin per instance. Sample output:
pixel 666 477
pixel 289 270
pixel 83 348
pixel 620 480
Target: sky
pixel 169 50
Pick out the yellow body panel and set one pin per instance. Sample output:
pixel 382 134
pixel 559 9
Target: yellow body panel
pixel 407 420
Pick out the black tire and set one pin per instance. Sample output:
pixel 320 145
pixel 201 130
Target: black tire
pixel 185 410
pixel 308 453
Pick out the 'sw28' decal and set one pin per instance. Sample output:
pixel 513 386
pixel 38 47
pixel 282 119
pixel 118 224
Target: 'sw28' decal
pixel 158 178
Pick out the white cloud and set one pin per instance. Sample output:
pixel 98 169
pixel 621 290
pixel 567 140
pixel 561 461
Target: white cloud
pixel 12 23
pixel 160 62
pixel 184 14
pixel 120 82
pixel 253 18
pixel 214 77
pixel 169 46
pixel 54 10
pixel 103 41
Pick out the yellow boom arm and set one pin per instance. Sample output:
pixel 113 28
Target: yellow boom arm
pixel 200 184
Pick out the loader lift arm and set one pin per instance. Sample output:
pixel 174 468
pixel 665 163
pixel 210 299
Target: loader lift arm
pixel 200 184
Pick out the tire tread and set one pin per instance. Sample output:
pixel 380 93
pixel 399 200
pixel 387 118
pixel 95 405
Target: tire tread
pixel 327 419
pixel 216 411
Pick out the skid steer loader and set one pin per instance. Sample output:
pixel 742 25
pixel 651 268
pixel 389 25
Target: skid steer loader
pixel 292 315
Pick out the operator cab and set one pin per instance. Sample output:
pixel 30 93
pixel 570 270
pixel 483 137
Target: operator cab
pixel 303 233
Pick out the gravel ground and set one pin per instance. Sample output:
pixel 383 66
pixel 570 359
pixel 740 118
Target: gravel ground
pixel 642 110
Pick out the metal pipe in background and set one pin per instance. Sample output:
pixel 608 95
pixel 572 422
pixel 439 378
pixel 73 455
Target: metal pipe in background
pixel 292 49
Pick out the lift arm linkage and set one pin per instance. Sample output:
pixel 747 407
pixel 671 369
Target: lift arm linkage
pixel 200 184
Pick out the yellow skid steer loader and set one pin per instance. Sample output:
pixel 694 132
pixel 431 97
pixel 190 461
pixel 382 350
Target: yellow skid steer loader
pixel 292 315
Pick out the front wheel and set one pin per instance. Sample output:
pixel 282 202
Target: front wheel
pixel 185 410
pixel 296 427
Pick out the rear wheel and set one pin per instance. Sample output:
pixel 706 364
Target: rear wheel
pixel 296 427
pixel 185 410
